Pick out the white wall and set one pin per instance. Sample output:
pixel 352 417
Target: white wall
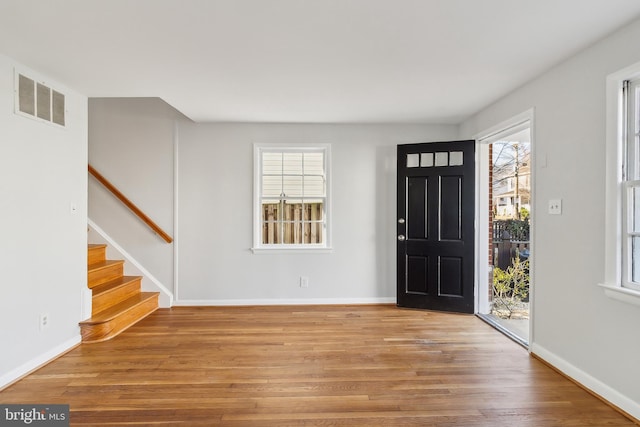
pixel 576 327
pixel 43 252
pixel 131 143
pixel 216 265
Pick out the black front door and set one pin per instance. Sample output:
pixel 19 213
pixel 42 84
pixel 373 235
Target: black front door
pixel 435 224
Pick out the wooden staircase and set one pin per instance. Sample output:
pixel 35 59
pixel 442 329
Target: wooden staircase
pixel 117 301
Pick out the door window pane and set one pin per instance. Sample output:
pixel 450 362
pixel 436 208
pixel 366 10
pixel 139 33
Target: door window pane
pixel 426 160
pixel 455 158
pixel 413 160
pixel 442 159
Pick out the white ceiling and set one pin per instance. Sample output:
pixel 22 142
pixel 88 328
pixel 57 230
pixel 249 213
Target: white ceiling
pixel 359 61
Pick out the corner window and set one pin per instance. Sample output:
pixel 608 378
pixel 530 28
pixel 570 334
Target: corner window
pixel 291 197
pixel 622 197
pixel 631 187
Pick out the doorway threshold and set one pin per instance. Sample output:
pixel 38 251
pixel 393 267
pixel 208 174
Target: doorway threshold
pixel 502 325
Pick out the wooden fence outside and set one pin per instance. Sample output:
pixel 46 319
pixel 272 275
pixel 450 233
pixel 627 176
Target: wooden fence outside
pixel 292 223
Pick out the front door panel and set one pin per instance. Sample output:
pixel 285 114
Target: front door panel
pixel 435 227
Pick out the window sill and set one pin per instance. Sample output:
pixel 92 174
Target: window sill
pixel 630 296
pixel 281 250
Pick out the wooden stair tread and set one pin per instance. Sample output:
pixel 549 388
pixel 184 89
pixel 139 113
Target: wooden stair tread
pixel 104 264
pixel 113 284
pixel 122 307
pixel 104 271
pixel 117 301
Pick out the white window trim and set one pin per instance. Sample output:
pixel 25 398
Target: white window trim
pixel 615 146
pixel 258 247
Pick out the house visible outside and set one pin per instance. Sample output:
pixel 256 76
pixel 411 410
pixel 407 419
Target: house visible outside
pixel 509 236
pixel 511 180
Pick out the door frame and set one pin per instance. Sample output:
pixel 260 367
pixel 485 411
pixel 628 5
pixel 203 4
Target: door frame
pixel 482 209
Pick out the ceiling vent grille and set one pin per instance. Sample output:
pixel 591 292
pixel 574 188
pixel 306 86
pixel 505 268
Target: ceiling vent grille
pixel 37 100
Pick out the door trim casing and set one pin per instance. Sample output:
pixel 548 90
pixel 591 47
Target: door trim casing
pixel 482 139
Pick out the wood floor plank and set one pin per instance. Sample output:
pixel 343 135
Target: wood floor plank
pixel 281 366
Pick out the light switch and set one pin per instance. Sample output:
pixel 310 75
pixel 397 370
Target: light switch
pixel 555 207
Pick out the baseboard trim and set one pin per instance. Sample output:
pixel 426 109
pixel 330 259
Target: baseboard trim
pixel 38 362
pixel 618 401
pixel 306 301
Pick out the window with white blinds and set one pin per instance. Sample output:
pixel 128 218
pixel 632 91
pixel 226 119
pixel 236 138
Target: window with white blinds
pixel 291 197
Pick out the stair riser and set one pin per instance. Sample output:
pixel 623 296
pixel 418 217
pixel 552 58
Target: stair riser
pixel 96 254
pixel 108 330
pixel 111 298
pixel 103 275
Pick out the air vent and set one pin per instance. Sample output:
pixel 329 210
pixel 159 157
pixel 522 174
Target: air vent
pixel 37 100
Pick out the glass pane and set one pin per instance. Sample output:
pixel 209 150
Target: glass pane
pixel 271 186
pixel 426 160
pixel 272 163
pixel 271 212
pixel 271 233
pixel 292 186
pixel 313 210
pixel 293 197
pixel 635 259
pixel 455 158
pixel 634 160
pixel 292 163
pixel 442 159
pixel 314 186
pixel 314 163
pixel 312 233
pixel 634 206
pixel 413 160
pixel 637 108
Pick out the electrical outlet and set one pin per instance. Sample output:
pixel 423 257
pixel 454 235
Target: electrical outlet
pixel 555 207
pixel 304 282
pixel 44 321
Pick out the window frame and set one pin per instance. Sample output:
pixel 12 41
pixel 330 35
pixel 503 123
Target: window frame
pixel 630 179
pixel 617 187
pixel 258 245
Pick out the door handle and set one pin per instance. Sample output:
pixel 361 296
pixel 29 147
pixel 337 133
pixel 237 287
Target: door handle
pixel 401 237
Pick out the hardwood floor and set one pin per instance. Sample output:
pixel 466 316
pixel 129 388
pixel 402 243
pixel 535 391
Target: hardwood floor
pixel 310 366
